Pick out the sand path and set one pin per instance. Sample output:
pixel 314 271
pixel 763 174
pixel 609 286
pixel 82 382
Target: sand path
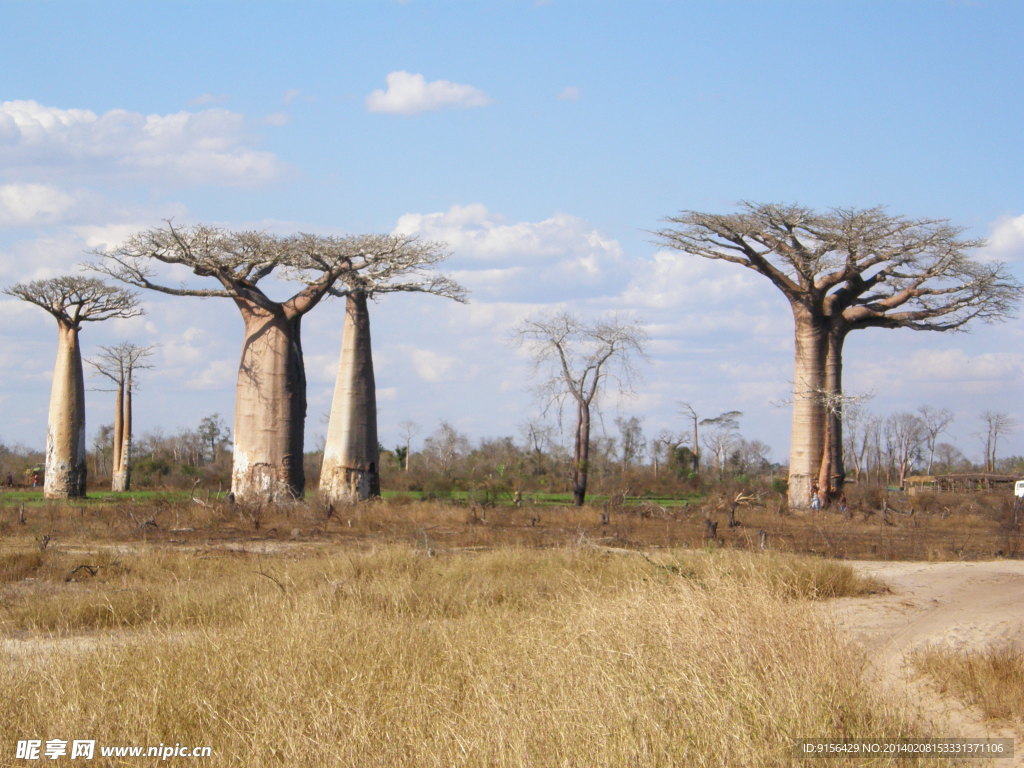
pixel 961 604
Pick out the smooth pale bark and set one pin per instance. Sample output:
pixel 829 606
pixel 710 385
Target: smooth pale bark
pixel 270 409
pixel 581 464
pixel 832 474
pixel 808 425
pixel 350 470
pixel 122 462
pixel 118 436
pixel 65 432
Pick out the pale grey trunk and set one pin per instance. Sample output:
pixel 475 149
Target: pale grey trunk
pixel 65 432
pixel 806 438
pixel 270 410
pixel 122 462
pixel 832 473
pixel 115 455
pixel 350 471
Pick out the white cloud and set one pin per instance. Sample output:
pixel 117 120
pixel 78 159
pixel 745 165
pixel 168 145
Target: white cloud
pixel 671 279
pixel 958 365
pixel 561 255
pixel 217 374
pixel 206 147
pixel 408 94
pixel 572 93
pixel 33 204
pixel 1007 238
pixel 431 366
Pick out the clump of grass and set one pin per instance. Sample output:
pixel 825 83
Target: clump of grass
pixel 511 657
pixel 15 566
pixel 991 679
pixel 786 576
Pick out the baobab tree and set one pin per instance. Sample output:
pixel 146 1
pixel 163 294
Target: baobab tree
pixel 119 363
pixel 270 401
pixel 577 359
pixel 843 270
pixel 72 301
pixel 395 264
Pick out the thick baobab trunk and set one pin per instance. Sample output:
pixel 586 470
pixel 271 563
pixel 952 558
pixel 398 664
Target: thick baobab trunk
pixel 350 469
pixel 270 410
pixel 581 454
pixel 808 426
pixel 65 432
pixel 832 473
pixel 122 461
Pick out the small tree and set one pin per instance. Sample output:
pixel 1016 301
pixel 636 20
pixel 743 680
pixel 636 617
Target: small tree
pixel 631 440
pixel 215 436
pixel 691 413
pixel 119 364
pixel 577 359
pixel 351 466
pixel 935 421
pixel 721 436
pixel 905 434
pixel 72 301
pixel 996 425
pixel 407 430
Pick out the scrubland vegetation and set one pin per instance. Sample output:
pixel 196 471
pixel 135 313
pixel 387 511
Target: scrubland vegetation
pixel 876 524
pixel 390 655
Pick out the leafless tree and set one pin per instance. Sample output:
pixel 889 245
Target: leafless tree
pixel 997 424
pixel 408 430
pixel 577 358
pixel 631 439
pixel 397 264
pixel 905 435
pixel 445 445
pixel 935 422
pixel 270 402
pixel 859 428
pixel 119 363
pixel 72 301
pixel 843 270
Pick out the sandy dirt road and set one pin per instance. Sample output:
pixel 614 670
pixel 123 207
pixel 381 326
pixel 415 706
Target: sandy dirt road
pixel 960 604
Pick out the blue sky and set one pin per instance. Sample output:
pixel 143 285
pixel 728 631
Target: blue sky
pixel 543 141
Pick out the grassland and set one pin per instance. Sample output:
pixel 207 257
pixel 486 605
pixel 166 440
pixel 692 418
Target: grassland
pixel 387 655
pixel 429 633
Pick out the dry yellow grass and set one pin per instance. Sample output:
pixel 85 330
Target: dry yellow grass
pixel 386 656
pixel 991 680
